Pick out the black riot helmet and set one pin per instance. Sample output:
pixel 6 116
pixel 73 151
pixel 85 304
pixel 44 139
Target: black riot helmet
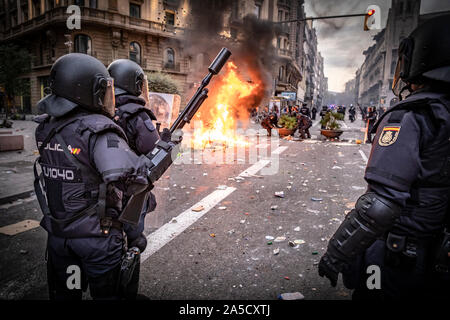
pixel 84 81
pixel 425 54
pixel 128 77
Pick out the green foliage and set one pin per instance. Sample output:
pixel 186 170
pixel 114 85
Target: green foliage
pixel 14 62
pixel 287 122
pixel 159 82
pixel 330 120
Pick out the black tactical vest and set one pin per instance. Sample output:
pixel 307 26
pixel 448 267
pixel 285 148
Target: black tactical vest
pixel 129 110
pixel 74 206
pixel 428 209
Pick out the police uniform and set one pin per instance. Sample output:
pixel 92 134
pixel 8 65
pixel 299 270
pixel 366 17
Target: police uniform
pixel 87 169
pixel 416 132
pixel 401 224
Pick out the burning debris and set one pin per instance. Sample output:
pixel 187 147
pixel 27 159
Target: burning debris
pixel 216 125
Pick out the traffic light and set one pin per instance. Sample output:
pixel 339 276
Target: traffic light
pixel 372 19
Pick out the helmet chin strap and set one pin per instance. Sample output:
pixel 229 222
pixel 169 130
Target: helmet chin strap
pixel 407 87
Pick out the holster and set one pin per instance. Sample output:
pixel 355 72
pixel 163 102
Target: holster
pixel 129 274
pixel 401 251
pixel 442 258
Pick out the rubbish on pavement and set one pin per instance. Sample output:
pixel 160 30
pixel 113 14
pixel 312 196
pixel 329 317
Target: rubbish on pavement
pixel 279 194
pixel 198 208
pixel 276 251
pixel 297 229
pixel 269 238
pixel 316 199
pixel 280 239
pixel 291 296
pixel 299 241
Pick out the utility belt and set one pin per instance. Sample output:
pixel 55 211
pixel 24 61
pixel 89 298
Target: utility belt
pixel 405 252
pixel 108 223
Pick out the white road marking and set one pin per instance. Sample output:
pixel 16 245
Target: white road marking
pixel 19 227
pixel 363 155
pixel 171 230
pixel 279 150
pixel 254 168
pixel 176 226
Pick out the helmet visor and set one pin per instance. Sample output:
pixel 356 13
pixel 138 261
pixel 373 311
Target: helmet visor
pixel 104 96
pixel 145 92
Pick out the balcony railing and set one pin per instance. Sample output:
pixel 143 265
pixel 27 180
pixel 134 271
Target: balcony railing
pixel 284 52
pixel 175 67
pixel 108 18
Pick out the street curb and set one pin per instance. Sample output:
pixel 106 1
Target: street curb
pixel 17 196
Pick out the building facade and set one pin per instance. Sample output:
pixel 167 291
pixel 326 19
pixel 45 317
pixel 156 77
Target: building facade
pixel 373 80
pixel 146 31
pixel 151 33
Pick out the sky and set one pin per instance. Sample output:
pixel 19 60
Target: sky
pixel 342 41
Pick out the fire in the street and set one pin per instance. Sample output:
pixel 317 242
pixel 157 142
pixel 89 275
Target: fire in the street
pixel 216 123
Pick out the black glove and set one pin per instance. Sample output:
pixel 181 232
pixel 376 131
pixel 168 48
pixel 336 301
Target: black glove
pixel 330 267
pixel 140 242
pixel 166 135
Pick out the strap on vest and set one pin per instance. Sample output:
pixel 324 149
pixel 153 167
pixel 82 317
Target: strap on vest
pixel 100 207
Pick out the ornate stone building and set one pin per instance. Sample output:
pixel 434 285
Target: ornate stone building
pixel 373 79
pixel 146 31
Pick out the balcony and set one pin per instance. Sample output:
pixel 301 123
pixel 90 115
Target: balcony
pixel 93 16
pixel 284 53
pixel 171 67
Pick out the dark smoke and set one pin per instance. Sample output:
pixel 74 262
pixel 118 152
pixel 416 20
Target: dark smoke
pixel 252 48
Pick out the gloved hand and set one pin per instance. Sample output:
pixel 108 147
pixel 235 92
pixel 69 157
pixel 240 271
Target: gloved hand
pixel 140 242
pixel 330 267
pixel 166 135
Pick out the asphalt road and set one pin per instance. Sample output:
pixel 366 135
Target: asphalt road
pixel 221 249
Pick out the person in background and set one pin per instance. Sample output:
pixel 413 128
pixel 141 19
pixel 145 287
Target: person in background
pixel 314 112
pixel 395 243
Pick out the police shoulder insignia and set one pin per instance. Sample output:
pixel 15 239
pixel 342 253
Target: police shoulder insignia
pixel 389 135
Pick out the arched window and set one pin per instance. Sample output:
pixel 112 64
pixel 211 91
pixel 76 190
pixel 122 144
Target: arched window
pixel 83 44
pixel 135 52
pixel 281 73
pixel 169 61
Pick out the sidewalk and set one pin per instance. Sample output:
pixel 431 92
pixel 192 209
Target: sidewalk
pixel 16 167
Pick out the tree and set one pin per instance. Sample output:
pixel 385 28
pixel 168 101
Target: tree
pixel 159 82
pixel 14 62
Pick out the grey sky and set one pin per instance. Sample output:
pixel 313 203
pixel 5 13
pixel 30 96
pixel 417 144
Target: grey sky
pixel 342 41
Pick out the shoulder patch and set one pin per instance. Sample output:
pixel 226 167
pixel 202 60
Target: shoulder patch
pixel 389 135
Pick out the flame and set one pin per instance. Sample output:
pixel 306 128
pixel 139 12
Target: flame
pixel 230 98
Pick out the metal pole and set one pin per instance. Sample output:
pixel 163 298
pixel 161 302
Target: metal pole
pixel 326 17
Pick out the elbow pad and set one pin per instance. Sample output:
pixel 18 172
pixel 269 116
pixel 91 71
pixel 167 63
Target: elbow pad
pixel 372 217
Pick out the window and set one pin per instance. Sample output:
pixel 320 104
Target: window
pixel 36 8
pixel 93 4
pixel 257 11
pixel 281 73
pixel 170 58
pixel 79 3
pixel 50 4
pixel 280 15
pixel 279 43
pixel 83 44
pixel 135 52
pixel 135 10
pixel 170 18
pixel 24 12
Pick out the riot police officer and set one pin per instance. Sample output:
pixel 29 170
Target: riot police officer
pixel 305 110
pixel 87 170
pixel 399 224
pixel 134 116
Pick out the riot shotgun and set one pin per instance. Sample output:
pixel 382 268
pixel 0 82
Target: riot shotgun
pixel 161 156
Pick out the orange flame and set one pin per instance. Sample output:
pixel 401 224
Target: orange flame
pixel 217 127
